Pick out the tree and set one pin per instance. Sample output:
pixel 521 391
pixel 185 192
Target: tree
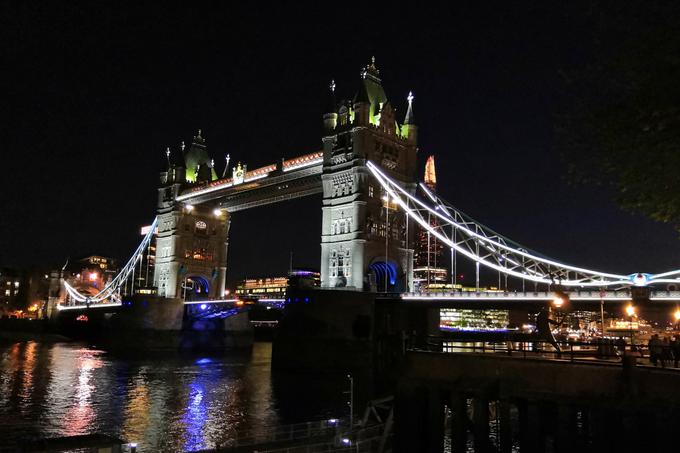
pixel 621 124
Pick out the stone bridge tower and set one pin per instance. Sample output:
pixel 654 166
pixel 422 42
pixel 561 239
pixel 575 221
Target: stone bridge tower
pixel 191 244
pixel 365 240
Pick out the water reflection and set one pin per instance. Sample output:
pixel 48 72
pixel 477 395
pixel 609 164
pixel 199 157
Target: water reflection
pixel 49 390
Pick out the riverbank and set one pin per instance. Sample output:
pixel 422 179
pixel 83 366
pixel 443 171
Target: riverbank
pixel 28 330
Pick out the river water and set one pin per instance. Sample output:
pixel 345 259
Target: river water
pixel 177 403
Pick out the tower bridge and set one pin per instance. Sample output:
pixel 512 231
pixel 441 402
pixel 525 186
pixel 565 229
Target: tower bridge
pixel 372 205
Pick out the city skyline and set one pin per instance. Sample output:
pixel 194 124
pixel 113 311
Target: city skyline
pixel 484 111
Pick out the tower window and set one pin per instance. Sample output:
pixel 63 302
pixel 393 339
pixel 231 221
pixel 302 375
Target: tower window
pixel 370 191
pixel 200 227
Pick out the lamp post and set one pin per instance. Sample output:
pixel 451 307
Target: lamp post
pixel 386 199
pixel 351 401
pixel 630 311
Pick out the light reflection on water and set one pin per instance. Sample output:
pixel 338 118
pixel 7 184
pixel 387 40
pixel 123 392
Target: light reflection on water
pixel 170 404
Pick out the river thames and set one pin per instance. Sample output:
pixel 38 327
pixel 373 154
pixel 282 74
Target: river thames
pixel 177 403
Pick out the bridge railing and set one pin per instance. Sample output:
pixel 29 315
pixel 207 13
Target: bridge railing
pixel 292 432
pixel 599 351
pixel 620 295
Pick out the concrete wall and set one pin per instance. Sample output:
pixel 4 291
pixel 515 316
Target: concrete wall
pixel 557 405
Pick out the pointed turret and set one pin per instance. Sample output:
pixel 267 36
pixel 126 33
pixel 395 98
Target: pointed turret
pixel 196 157
pixel 371 92
pixel 330 116
pixel 362 101
pixel 409 130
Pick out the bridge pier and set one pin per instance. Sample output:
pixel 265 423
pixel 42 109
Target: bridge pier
pixel 505 428
pixel 459 422
pixel 480 422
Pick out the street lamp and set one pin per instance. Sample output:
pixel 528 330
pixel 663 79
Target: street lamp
pixel 676 315
pixel 558 301
pixel 386 199
pixel 630 311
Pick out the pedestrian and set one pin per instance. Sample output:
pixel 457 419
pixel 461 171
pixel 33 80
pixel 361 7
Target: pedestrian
pixel 665 351
pixel 653 346
pixel 620 346
pixel 544 329
pixel 675 349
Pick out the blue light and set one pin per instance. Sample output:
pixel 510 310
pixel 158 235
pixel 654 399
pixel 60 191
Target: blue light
pixel 306 299
pixel 204 306
pixel 203 361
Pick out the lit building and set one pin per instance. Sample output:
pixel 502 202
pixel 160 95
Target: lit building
pixel 147 264
pixel 10 285
pixel 275 287
pixel 23 293
pixel 430 267
pixel 90 274
pixel 470 319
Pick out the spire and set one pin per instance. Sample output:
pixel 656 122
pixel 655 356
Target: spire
pixel 430 174
pixel 331 106
pixel 198 139
pixel 196 155
pixel 410 118
pixel 362 95
pixel 371 71
pixel 226 165
pixel 330 116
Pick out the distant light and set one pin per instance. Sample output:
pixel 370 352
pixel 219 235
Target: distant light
pixel 558 302
pixel 204 306
pixel 677 314
pixel 239 303
pixel 227 292
pixel 630 310
pixel 346 441
pixel 189 207
pixel 385 198
pixel 93 276
pixel 217 212
pixel 333 421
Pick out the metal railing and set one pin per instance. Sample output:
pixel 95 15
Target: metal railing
pixel 602 351
pixel 359 440
pixel 292 432
pixel 607 296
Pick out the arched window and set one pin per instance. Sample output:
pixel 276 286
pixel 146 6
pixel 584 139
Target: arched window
pixel 334 263
pixel 200 227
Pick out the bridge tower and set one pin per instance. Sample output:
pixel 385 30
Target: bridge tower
pixel 366 241
pixel 192 240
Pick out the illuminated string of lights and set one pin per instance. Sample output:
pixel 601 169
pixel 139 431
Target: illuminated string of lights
pixel 483 245
pixel 112 288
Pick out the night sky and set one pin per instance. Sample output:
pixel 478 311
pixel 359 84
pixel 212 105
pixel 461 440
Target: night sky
pixel 96 94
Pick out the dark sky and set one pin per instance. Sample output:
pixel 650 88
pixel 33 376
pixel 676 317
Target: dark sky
pixel 97 92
